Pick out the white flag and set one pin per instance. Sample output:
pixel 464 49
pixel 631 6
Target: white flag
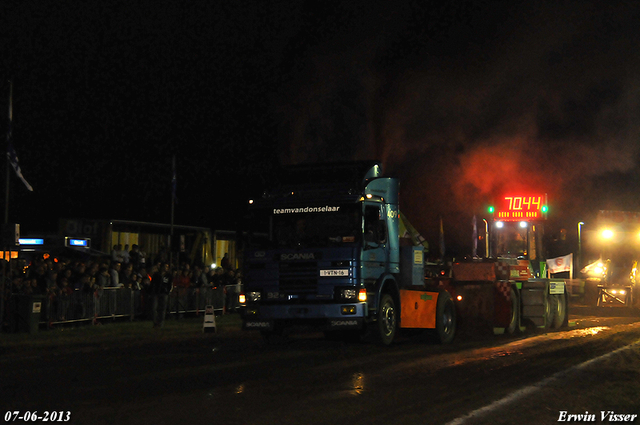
pixel 560 264
pixel 13 159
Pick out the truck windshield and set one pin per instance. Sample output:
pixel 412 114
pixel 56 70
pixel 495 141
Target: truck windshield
pixel 316 226
pixel 510 239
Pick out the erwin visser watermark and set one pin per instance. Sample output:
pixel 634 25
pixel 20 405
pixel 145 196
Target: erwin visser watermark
pixel 604 416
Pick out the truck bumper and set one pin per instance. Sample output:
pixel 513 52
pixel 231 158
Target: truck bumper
pixel 323 317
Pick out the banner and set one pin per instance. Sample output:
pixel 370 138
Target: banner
pixel 560 264
pixel 406 230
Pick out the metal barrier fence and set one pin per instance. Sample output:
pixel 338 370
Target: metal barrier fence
pixel 107 303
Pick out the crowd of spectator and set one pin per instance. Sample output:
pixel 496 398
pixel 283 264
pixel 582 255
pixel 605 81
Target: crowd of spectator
pixel 58 279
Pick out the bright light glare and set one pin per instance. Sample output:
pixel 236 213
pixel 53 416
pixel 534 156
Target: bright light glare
pixel 523 224
pixel 459 297
pixel 607 234
pixel 499 224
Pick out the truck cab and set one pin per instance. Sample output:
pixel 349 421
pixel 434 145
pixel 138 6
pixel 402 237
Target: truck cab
pixel 331 258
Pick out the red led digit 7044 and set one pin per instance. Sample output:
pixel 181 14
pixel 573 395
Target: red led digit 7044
pixel 527 203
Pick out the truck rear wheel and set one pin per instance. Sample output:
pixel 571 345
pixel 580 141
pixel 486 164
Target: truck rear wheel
pixel 559 306
pixel 445 318
pixel 515 313
pixel 387 319
pixel 556 311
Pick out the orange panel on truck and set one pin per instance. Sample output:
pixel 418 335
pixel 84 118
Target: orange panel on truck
pixel 418 309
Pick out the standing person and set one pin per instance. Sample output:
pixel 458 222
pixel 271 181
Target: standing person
pixel 114 272
pixel 161 286
pixel 125 254
pixel 230 289
pixel 116 253
pixel 134 256
pixel 225 263
pixel 126 275
pixel 103 280
pixel 182 282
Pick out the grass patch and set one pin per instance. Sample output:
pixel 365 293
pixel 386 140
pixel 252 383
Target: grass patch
pixel 112 332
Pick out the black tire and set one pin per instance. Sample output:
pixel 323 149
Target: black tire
pixel 550 309
pixel 445 318
pixel 514 323
pixel 387 324
pixel 559 310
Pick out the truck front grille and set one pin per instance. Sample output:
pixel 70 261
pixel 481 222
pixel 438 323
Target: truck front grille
pixel 298 277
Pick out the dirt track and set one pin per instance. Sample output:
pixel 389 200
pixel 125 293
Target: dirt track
pixel 180 375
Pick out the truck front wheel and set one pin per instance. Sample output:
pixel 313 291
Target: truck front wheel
pixel 387 319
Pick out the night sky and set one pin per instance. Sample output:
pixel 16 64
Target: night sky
pixel 462 100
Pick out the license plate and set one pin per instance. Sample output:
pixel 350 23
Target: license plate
pixel 336 272
pixel 556 288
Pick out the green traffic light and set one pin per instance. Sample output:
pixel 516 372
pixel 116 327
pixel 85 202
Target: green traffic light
pixel 491 209
pixel 545 209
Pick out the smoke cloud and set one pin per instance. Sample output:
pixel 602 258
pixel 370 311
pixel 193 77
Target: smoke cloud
pixel 467 103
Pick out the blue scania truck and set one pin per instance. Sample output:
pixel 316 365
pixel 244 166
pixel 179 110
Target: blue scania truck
pixel 339 257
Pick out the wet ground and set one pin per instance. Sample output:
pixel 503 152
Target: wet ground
pixel 233 377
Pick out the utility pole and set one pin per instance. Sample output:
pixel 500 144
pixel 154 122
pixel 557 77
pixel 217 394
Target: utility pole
pixel 6 212
pixel 6 198
pixel 173 204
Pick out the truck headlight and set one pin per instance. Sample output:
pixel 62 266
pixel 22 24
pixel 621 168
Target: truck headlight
pixel 254 296
pixel 349 294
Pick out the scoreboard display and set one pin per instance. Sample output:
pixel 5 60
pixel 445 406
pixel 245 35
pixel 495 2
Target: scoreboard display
pixel 517 207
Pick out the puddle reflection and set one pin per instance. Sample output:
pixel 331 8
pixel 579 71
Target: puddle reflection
pixel 357 383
